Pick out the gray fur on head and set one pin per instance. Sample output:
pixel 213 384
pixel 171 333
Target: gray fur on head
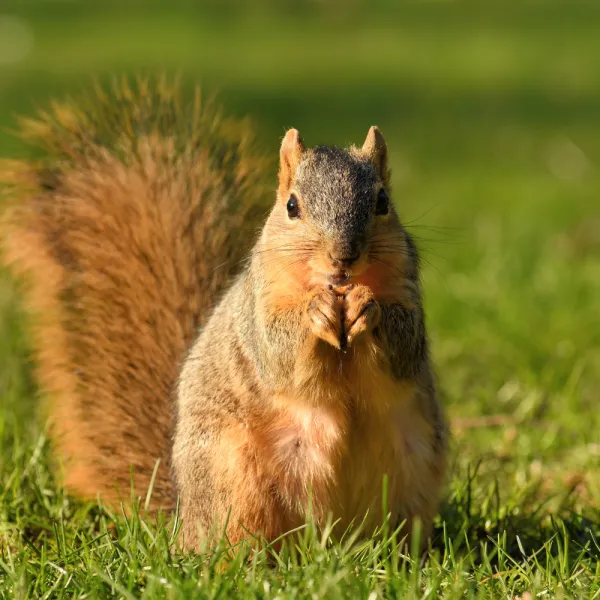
pixel 338 192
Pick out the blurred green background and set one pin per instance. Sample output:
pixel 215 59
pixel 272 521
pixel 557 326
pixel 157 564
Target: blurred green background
pixel 492 114
pixel 491 110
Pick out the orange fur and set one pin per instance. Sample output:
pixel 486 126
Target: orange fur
pixel 123 245
pixel 298 459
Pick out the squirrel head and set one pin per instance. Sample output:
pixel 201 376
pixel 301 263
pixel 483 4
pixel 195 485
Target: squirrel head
pixel 333 221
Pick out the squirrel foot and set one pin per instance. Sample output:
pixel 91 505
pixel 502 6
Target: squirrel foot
pixel 361 312
pixel 324 314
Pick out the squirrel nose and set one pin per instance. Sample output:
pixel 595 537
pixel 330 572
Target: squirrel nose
pixel 344 261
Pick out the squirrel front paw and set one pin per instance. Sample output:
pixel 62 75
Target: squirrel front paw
pixel 361 312
pixel 324 315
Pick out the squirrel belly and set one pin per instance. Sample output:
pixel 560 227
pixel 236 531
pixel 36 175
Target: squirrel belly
pixel 259 385
pixel 274 452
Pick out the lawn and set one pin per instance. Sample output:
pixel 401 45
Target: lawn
pixel 492 114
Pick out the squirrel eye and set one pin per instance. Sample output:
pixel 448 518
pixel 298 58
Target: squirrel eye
pixel 383 203
pixel 293 208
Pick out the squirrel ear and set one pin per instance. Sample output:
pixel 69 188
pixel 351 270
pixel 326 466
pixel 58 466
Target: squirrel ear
pixel 290 154
pixel 375 149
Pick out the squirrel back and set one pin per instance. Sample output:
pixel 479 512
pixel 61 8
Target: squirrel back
pixel 125 232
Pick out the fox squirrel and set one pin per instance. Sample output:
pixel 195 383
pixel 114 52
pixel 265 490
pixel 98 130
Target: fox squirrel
pixel 309 380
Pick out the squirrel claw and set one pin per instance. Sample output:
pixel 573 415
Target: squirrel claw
pixel 362 312
pixel 324 317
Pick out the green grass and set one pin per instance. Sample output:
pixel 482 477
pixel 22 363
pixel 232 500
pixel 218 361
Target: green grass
pixel 492 114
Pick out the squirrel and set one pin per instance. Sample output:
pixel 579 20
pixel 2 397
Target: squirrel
pixel 258 385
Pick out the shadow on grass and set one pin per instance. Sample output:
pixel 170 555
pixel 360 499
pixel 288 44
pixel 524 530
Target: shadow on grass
pixel 493 525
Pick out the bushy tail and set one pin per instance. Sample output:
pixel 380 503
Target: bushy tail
pixel 125 230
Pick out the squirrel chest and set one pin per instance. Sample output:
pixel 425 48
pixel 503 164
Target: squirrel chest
pixel 335 457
